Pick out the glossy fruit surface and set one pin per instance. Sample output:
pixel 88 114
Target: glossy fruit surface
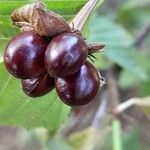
pixel 80 88
pixel 38 86
pixel 65 55
pixel 24 55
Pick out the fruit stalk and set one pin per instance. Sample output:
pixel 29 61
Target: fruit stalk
pixel 82 16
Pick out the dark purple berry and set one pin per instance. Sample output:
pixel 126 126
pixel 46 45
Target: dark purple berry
pixel 24 55
pixel 65 55
pixel 80 88
pixel 38 86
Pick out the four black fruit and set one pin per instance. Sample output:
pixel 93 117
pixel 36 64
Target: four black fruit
pixel 59 63
pixel 65 55
pixel 80 88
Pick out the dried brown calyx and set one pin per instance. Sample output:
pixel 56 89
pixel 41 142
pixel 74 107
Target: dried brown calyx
pixel 34 17
pixel 93 48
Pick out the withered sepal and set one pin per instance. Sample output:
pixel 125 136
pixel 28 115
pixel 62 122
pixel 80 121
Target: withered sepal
pixel 33 17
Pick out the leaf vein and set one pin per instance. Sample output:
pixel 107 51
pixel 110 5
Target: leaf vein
pixel 5 86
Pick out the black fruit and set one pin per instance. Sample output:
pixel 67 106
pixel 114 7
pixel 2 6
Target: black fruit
pixel 65 55
pixel 24 55
pixel 80 88
pixel 38 86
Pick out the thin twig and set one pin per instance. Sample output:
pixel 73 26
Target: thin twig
pixel 125 105
pixel 131 102
pixel 81 18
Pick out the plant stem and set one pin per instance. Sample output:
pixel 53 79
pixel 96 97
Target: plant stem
pixel 144 102
pixel 82 16
pixel 125 105
pixel 116 135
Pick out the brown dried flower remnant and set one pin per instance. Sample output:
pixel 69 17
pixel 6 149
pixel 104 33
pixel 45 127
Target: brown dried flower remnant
pixel 35 18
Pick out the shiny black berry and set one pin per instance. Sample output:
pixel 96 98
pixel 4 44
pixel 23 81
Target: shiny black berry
pixel 24 55
pixel 65 55
pixel 38 86
pixel 80 88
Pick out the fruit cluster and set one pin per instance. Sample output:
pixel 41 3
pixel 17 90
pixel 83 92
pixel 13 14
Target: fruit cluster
pixel 44 63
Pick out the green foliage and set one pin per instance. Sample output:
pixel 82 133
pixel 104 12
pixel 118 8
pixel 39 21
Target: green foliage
pixel 118 42
pixel 63 7
pixel 15 107
pixel 144 87
pixel 127 80
pixel 134 13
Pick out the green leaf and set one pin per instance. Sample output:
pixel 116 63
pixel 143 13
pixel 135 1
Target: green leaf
pixel 6 27
pixel 18 109
pixel 134 13
pixel 127 80
pixel 118 43
pixel 63 7
pixel 3 42
pixel 144 88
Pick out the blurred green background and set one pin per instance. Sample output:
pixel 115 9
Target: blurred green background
pixel 47 123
